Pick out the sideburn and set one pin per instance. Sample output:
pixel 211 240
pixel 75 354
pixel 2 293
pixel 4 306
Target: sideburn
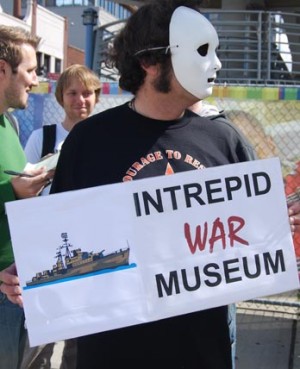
pixel 163 82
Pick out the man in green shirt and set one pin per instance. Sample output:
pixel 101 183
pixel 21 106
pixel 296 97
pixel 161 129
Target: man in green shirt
pixel 17 76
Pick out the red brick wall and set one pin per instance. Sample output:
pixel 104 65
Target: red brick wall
pixel 74 56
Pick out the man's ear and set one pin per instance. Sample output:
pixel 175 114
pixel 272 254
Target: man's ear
pixel 151 70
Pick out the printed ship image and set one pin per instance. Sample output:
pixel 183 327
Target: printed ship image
pixel 76 262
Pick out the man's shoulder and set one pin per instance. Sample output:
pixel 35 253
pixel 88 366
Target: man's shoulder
pixel 245 143
pixel 223 121
pixel 114 111
pixel 217 121
pixel 38 132
pixel 13 121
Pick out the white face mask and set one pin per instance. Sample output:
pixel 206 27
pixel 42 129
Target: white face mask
pixel 193 44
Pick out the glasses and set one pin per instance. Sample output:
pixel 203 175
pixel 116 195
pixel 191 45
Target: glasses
pixel 166 48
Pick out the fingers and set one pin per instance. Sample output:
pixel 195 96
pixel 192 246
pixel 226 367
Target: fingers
pixel 48 183
pixel 43 179
pixel 51 173
pixel 30 187
pixel 35 172
pixel 9 285
pixel 9 275
pixel 294 208
pixel 13 293
pixel 294 215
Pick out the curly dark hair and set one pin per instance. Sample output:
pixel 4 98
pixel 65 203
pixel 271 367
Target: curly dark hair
pixel 147 28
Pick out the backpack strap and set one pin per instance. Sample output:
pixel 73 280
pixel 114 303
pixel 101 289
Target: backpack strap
pixel 49 138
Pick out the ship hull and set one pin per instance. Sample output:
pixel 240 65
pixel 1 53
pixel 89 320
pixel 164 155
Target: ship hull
pixel 110 261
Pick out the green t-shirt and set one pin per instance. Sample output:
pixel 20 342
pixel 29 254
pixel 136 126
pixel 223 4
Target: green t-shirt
pixel 11 157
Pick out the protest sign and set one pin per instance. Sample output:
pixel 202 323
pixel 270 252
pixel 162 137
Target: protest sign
pixel 123 254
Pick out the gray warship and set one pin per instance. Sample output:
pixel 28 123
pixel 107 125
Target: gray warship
pixel 71 263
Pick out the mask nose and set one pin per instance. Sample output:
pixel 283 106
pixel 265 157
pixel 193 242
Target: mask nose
pixel 218 64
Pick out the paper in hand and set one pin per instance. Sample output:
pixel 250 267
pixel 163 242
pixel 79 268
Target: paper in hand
pixel 49 162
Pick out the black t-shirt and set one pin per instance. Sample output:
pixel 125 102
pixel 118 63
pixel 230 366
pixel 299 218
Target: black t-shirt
pixel 121 145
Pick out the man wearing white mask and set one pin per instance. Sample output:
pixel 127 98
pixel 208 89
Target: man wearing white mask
pixel 166 57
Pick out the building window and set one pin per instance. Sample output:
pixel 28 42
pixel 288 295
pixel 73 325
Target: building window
pixel 57 65
pixel 46 63
pixel 48 3
pixel 71 2
pixel 40 63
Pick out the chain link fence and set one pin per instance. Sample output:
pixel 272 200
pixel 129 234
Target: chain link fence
pixel 268 116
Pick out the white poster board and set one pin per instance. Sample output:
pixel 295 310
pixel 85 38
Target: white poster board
pixel 172 245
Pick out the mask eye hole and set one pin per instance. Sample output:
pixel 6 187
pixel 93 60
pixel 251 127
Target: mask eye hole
pixel 203 49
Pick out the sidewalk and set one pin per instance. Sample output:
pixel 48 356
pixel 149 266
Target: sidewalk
pixel 56 357
pixel 267 342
